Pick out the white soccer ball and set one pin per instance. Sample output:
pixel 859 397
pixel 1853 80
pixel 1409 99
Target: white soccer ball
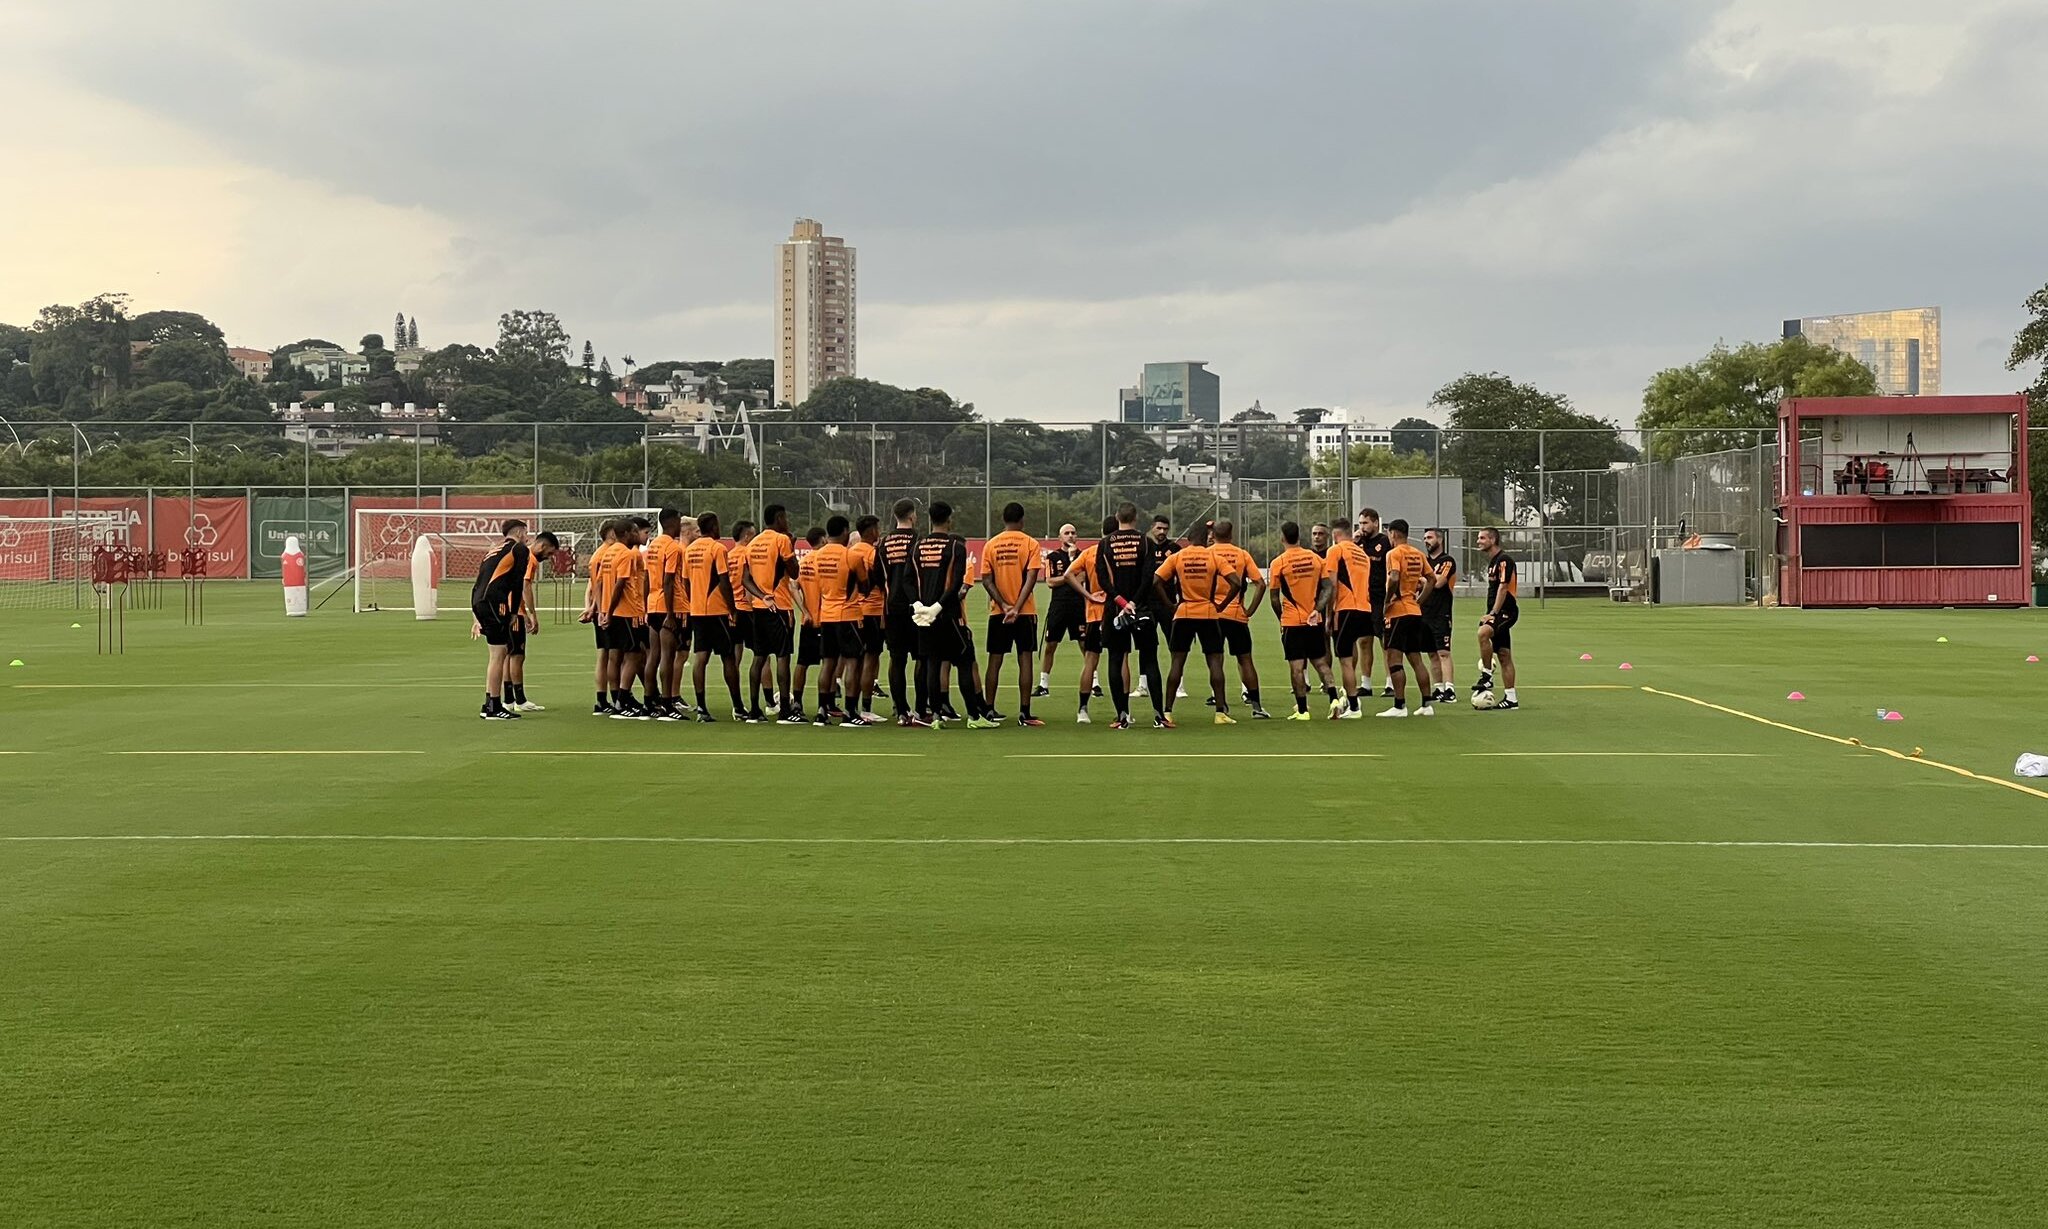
pixel 1483 700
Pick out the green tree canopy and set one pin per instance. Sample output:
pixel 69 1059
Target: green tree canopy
pixel 1727 399
pixel 160 327
pixel 188 360
pixel 1501 436
pixel 1416 435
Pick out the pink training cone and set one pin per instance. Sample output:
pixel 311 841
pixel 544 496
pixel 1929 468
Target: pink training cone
pixel 2032 658
pixel 1626 666
pixel 1589 657
pixel 1796 696
pixel 1893 717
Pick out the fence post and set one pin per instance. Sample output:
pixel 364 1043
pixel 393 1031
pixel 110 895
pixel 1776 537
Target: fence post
pixel 874 461
pixel 1436 482
pixel 537 498
pixel 988 478
pixel 646 469
pixel 1105 469
pixel 1344 469
pixel 1542 521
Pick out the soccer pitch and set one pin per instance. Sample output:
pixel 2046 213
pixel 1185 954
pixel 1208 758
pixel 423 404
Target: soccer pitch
pixel 1659 949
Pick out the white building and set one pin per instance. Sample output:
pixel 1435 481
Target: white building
pixel 1337 428
pixel 814 315
pixel 1198 475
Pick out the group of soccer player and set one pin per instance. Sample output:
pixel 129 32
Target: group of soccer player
pixel 674 595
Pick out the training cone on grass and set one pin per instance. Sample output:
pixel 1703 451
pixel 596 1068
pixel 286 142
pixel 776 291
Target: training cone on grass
pixel 1582 656
pixel 2031 659
pixel 1893 717
pixel 1796 696
pixel 76 626
pixel 1626 666
pixel 17 662
pixel 1941 640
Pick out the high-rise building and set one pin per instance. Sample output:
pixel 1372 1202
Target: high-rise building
pixel 1174 392
pixel 814 334
pixel 1902 347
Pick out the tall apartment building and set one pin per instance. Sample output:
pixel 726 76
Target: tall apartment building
pixel 1902 347
pixel 1173 392
pixel 814 333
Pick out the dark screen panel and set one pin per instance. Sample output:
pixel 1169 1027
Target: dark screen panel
pixel 1909 546
pixel 1995 545
pixel 1842 546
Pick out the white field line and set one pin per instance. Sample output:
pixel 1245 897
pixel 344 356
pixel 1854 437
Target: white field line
pixel 1001 841
pixel 267 753
pixel 714 754
pixel 1611 755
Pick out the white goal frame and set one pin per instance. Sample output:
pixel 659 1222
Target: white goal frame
pixel 381 542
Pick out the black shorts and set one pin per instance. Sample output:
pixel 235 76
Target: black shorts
pixel 872 641
pixel 1305 643
pixel 1237 637
pixel 900 631
pixel 617 636
pixel 742 628
pixel 655 620
pixel 1352 627
pixel 1409 634
pixel 947 640
pixel 1063 620
pixel 1020 636
pixel 1185 632
pixel 642 638
pixel 771 635
pixel 515 641
pixel 497 628
pixel 711 634
pixel 1439 634
pixel 1503 628
pixel 810 646
pixel 1144 639
pixel 842 640
pixel 1090 636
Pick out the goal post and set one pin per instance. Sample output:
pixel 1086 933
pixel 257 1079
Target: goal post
pixel 46 561
pixel 384 542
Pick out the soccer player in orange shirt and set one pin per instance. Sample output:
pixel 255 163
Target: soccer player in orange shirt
pixel 1203 592
pixel 599 585
pixel 1235 618
pixel 1409 580
pixel 1081 578
pixel 874 597
pixel 1010 571
pixel 624 614
pixel 839 623
pixel 708 570
pixel 769 578
pixel 1302 591
pixel 1350 573
pixel 658 674
pixel 810 645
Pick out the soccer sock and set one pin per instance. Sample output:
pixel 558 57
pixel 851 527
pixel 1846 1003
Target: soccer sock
pixel 1252 696
pixel 1084 700
pixel 1044 679
pixel 701 705
pixel 1301 702
pixel 1511 696
pixel 603 699
pixel 1354 701
pixel 490 702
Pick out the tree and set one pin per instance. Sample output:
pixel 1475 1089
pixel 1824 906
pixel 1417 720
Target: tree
pixel 398 330
pixel 744 374
pixel 412 333
pixel 159 327
pixel 1416 435
pixel 80 356
pixel 1370 462
pixel 1503 437
pixel 382 361
pixel 1267 456
pixel 1310 415
pixel 283 354
pixel 2030 345
pixel 1255 414
pixel 532 338
pixel 190 361
pixel 606 385
pixel 1729 399
pixel 589 355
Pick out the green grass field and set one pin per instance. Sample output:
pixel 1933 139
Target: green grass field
pixel 1616 959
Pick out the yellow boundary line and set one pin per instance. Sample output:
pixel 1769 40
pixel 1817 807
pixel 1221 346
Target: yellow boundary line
pixel 1851 742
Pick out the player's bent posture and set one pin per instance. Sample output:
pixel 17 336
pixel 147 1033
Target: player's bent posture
pixel 943 638
pixel 1126 562
pixel 1010 570
pixel 1351 621
pixel 1436 611
pixel 1496 628
pixel 709 573
pixel 1081 578
pixel 1234 619
pixel 1204 591
pixel 898 554
pixel 495 607
pixel 1301 595
pixel 543 546
pixel 769 578
pixel 1064 616
pixel 810 645
pixel 1408 582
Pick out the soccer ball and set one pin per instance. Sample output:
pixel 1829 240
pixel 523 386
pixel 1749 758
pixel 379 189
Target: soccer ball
pixel 1483 700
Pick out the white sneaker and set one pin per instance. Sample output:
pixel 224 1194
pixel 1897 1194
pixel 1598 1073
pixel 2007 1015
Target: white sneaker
pixel 1426 711
pixel 1392 712
pixel 1139 694
pixel 1352 714
pixel 871 718
pixel 528 706
pixel 1082 718
pixel 1180 693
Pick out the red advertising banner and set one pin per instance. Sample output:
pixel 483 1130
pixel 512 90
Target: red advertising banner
pixel 217 525
pixel 24 549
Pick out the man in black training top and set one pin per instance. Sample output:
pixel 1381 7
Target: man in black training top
pixel 1375 545
pixel 944 640
pixel 1497 625
pixel 1125 564
pixel 495 607
pixel 898 553
pixel 1163 609
pixel 1436 611
pixel 1064 616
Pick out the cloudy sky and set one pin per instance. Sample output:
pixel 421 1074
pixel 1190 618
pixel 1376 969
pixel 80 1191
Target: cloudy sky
pixel 1332 203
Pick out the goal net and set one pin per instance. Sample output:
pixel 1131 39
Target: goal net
pixel 46 562
pixel 457 539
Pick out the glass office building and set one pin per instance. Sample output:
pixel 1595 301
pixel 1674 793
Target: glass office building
pixel 1174 392
pixel 1903 347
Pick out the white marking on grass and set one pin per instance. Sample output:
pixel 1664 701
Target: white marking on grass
pixel 1609 755
pixel 1082 841
pixel 813 755
pixel 1195 755
pixel 322 752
